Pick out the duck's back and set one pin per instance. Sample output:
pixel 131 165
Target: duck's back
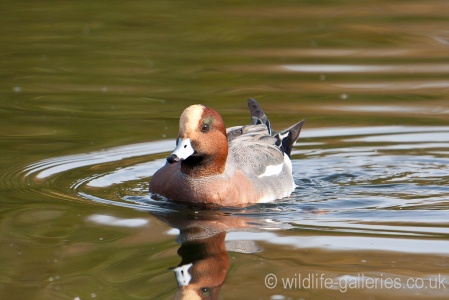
pixel 253 151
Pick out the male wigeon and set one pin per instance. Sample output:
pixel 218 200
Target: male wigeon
pixel 240 165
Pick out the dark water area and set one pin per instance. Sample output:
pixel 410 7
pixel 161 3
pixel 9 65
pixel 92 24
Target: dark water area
pixel 90 98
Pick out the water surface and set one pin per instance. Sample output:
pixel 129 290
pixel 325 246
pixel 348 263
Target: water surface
pixel 89 103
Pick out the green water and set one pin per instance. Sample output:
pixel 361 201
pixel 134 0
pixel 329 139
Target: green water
pixel 88 89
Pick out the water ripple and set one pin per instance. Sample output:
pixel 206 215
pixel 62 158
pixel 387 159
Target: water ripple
pixel 340 186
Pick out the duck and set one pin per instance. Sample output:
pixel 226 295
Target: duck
pixel 215 166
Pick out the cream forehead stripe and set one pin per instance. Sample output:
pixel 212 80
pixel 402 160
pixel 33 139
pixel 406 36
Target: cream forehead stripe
pixel 188 122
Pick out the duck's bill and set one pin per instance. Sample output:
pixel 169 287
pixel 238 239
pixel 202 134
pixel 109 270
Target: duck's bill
pixel 182 151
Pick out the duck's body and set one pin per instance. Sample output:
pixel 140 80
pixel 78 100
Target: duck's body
pixel 214 166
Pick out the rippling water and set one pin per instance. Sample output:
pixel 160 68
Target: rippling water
pixel 359 191
pixel 90 98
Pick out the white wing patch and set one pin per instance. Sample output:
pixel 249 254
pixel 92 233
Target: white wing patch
pixel 272 170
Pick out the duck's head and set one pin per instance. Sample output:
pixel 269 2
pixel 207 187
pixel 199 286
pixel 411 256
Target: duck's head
pixel 202 141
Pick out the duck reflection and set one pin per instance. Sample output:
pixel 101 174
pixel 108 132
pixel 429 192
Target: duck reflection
pixel 204 252
pixel 203 268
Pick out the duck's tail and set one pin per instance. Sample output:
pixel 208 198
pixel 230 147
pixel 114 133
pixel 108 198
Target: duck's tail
pixel 286 138
pixel 257 115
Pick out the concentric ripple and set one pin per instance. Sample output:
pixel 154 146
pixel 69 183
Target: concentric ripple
pixel 391 180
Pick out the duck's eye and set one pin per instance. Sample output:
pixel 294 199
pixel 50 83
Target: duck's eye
pixel 205 128
pixel 205 291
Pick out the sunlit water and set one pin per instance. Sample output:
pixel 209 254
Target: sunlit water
pixel 90 96
pixel 351 184
pixel 370 189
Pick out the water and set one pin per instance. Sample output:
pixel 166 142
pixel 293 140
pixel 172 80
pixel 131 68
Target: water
pixel 90 98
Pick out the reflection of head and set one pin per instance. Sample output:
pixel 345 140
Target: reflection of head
pixel 205 261
pixel 203 268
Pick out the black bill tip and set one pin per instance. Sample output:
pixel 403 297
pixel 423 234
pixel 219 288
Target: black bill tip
pixel 172 158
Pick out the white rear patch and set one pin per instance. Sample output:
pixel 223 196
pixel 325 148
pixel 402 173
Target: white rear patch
pixel 288 162
pixel 283 136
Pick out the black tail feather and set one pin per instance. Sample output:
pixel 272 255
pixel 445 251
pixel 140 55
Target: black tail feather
pixel 257 114
pixel 287 138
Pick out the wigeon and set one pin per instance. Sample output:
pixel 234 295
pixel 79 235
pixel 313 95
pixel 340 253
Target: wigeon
pixel 212 165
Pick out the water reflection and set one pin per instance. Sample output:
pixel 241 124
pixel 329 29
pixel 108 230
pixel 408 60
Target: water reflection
pixel 204 252
pixel 307 68
pixel 366 197
pixel 81 77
